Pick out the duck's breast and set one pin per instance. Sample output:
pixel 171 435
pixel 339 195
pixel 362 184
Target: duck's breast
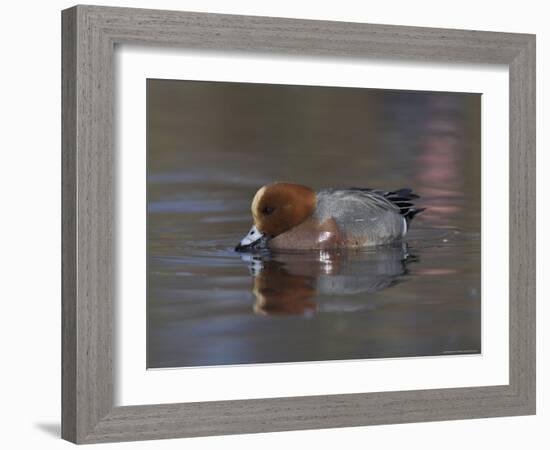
pixel 309 235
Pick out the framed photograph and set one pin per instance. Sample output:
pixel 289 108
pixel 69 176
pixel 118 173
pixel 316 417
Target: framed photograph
pixel 278 224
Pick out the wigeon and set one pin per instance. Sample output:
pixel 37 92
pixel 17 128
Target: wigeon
pixel 294 217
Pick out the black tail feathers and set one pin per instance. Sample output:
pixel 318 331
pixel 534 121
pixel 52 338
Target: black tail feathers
pixel 411 213
pixel 403 199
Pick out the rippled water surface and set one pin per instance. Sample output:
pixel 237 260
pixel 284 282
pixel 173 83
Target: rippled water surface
pixel 212 145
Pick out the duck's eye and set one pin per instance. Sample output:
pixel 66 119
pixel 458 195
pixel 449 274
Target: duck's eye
pixel 267 210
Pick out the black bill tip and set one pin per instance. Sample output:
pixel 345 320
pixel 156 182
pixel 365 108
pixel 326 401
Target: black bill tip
pixel 259 244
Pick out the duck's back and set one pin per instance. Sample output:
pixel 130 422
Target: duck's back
pixel 365 216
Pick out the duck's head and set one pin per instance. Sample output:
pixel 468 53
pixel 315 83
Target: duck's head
pixel 277 208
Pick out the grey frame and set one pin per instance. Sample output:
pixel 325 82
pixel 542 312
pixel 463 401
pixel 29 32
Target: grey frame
pixel 89 37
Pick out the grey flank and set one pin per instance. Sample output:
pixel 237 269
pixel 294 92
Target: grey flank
pixel 361 213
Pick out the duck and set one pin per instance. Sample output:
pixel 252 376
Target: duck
pixel 288 216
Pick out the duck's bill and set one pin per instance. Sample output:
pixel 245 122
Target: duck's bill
pixel 253 240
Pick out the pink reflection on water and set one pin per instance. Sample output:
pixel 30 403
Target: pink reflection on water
pixel 439 163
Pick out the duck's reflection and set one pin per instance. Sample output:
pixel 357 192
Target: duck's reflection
pixel 289 283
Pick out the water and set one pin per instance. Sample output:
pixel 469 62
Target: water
pixel 212 145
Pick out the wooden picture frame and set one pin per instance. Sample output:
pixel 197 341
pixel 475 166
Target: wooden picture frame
pixel 90 34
